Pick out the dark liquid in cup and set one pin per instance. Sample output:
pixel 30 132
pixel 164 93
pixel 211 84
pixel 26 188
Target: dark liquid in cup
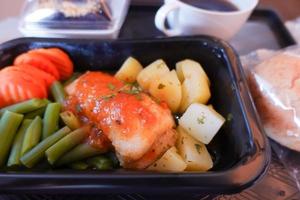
pixel 214 5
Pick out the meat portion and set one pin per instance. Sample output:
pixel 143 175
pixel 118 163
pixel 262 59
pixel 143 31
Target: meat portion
pixel 130 119
pixel 275 85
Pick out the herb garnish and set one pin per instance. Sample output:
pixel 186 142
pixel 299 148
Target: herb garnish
pixel 108 97
pixel 201 119
pixel 111 86
pixel 198 148
pixel 161 86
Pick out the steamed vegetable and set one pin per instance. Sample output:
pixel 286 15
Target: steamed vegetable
pixel 39 112
pixel 201 122
pixel 59 58
pixel 151 73
pixel 193 152
pixel 15 153
pixel 167 88
pixel 195 84
pixel 100 163
pixel 171 161
pixel 38 61
pixel 9 124
pixel 58 92
pixel 65 144
pixel 26 106
pixel 32 135
pixel 70 120
pixel 129 70
pixel 38 152
pixel 51 119
pixel 78 153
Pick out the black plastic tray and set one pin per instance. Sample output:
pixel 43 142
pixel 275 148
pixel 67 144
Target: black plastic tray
pixel 241 150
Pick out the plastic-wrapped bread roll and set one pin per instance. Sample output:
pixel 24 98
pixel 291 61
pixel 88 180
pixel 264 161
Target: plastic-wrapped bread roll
pixel 275 86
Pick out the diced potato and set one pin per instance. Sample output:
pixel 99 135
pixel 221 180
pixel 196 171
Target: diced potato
pixel 201 122
pixel 151 73
pixel 195 83
pixel 194 90
pixel 188 68
pixel 129 70
pixel 167 88
pixel 193 152
pixel 171 161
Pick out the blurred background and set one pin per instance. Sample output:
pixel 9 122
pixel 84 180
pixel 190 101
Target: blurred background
pixel 288 9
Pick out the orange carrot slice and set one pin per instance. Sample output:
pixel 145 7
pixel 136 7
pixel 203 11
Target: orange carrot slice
pixel 58 57
pixel 34 72
pixel 38 61
pixel 14 90
pixel 23 78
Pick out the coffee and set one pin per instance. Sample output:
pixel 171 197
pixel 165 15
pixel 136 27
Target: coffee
pixel 213 5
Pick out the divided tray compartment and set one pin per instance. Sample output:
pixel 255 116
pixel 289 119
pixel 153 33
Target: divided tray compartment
pixel 241 150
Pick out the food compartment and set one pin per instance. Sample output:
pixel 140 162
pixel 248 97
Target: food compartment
pixel 75 18
pixel 237 145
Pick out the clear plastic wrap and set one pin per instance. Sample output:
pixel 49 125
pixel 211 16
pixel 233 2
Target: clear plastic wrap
pixel 73 18
pixel 274 81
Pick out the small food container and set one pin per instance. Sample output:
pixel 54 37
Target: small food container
pixel 100 19
pixel 240 151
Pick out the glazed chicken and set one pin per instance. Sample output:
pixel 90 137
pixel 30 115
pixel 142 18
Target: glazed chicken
pixel 138 128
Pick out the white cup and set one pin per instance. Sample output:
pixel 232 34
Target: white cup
pixel 185 19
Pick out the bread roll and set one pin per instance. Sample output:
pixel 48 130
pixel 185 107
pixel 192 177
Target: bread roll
pixel 275 86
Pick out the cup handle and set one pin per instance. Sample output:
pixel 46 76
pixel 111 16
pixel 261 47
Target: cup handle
pixel 161 16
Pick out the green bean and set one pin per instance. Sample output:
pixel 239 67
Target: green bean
pixel 39 112
pixel 33 156
pixel 32 135
pixel 9 124
pixel 15 153
pixel 26 106
pixel 79 165
pixel 78 153
pixel 113 157
pixel 70 120
pixel 58 92
pixel 64 145
pixel 51 119
pixel 100 163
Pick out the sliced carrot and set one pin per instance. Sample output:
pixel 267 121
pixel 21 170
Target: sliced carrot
pixel 38 61
pixel 17 90
pixel 34 72
pixel 17 71
pixel 6 98
pixel 59 58
pixel 1 102
pixel 23 78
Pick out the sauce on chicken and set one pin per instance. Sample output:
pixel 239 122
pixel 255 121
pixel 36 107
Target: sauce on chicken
pixel 124 117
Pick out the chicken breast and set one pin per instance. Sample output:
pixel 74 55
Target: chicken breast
pixel 275 85
pixel 129 118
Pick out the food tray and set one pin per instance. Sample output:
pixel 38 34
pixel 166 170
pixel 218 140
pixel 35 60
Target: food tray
pixel 272 34
pixel 240 161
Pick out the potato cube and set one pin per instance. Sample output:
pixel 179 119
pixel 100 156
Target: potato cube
pixel 193 152
pixel 151 73
pixel 171 161
pixel 129 70
pixel 194 90
pixel 188 68
pixel 167 88
pixel 201 122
